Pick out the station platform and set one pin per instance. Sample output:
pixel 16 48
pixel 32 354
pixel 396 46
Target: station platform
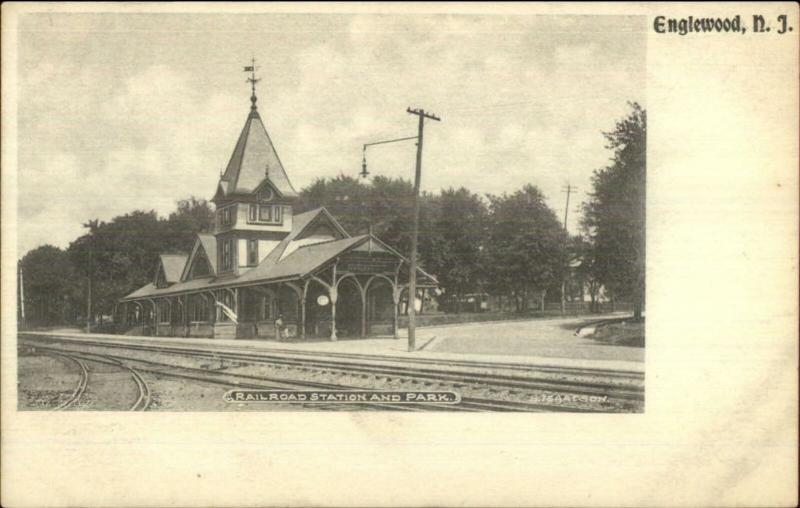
pixel 550 342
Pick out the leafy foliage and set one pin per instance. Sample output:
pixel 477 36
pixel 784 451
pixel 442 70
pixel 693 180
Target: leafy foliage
pixel 120 256
pixel 614 217
pixel 457 239
pixel 385 205
pixel 49 291
pixel 512 244
pixel 192 216
pixel 525 245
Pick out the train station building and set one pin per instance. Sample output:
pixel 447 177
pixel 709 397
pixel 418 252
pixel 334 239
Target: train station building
pixel 267 271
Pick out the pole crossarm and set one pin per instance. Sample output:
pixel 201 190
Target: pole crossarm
pixel 388 141
pixel 422 113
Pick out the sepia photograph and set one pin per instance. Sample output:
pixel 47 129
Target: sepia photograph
pixel 345 254
pixel 298 215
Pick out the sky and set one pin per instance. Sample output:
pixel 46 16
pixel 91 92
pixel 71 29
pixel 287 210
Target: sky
pixel 118 112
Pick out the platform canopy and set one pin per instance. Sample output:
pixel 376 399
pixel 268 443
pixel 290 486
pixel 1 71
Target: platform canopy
pixel 296 258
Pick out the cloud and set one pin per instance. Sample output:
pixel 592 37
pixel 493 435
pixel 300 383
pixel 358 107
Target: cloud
pixel 152 142
pixel 522 100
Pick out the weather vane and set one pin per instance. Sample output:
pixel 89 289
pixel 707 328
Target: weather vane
pixel 252 80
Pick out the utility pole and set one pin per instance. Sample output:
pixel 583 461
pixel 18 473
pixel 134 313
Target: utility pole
pixel 92 225
pixel 568 190
pixel 89 293
pixel 21 295
pixel 412 283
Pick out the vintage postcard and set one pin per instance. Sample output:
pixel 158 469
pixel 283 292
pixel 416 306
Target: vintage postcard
pixel 506 246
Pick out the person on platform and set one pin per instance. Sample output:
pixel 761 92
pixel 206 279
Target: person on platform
pixel 279 326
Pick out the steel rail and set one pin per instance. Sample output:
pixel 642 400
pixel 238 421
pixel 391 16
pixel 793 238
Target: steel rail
pixel 82 382
pixel 143 400
pixel 586 371
pixel 468 403
pixel 458 379
pixel 213 377
pixel 635 393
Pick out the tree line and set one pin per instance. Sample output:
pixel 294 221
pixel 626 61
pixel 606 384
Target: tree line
pixel 510 245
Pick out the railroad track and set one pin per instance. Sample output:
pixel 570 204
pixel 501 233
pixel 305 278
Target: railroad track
pixel 82 382
pixel 144 395
pixel 81 357
pixel 229 380
pixel 467 363
pixel 143 401
pixel 630 393
pixel 246 381
pixel 511 366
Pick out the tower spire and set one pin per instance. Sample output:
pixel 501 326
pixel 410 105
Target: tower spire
pixel 252 80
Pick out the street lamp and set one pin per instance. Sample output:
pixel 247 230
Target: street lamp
pixel 364 173
pixel 412 282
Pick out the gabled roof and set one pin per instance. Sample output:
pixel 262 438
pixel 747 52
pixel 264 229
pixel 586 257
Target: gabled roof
pixel 253 158
pixel 148 289
pixel 207 245
pixel 301 223
pixel 300 262
pixel 377 241
pixel 173 266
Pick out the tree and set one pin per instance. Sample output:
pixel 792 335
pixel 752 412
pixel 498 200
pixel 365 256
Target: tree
pixel 525 245
pixel 192 216
pixel 391 212
pixel 120 255
pixel 344 196
pixel 50 286
pixel 384 204
pixel 123 255
pixel 614 216
pixel 583 253
pixel 456 238
pixel 124 251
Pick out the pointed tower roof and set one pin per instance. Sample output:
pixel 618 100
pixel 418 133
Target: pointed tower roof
pixel 254 160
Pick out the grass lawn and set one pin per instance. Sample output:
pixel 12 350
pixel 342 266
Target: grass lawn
pixel 625 333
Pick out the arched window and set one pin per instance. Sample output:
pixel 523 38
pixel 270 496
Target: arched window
pixel 164 312
pixel 177 312
pixel 198 308
pixel 226 298
pixel 267 311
